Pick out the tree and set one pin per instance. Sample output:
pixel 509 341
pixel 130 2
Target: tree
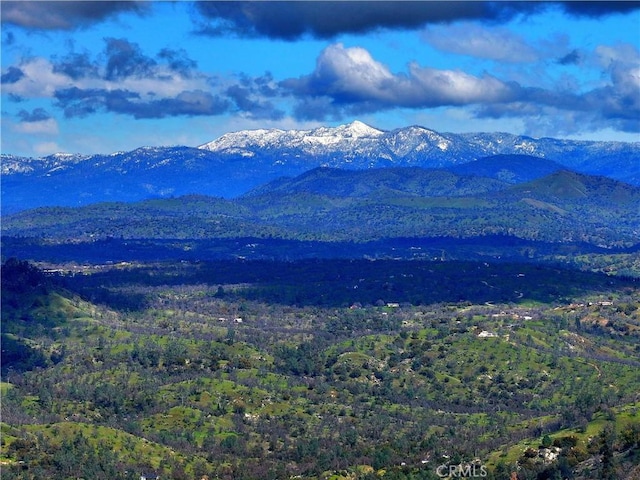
pixel 607 461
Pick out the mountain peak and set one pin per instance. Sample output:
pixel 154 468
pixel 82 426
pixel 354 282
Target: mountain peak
pixel 360 129
pixel 274 138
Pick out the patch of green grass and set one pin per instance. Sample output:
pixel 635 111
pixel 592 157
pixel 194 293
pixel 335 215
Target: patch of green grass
pixel 5 387
pixel 130 448
pixel 623 416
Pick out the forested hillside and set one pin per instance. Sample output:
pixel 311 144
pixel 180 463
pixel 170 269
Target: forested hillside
pixel 332 205
pixel 318 369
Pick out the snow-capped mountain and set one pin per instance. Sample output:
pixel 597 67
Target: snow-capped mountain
pixel 349 141
pixel 319 138
pixel 239 161
pixel 414 145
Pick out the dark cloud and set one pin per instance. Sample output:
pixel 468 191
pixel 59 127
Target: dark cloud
pixel 125 59
pixel 77 102
pixel 191 103
pixel 76 66
pixel 317 108
pixel 265 85
pixel 571 58
pixel 251 96
pixel 599 8
pixel 252 105
pixel 12 75
pixel 65 15
pixel 292 20
pixel 620 99
pixel 122 59
pixel 37 115
pixel 178 61
pixel 327 19
pixel 8 39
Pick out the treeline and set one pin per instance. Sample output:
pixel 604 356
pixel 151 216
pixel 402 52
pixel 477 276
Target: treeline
pixel 603 214
pixel 344 283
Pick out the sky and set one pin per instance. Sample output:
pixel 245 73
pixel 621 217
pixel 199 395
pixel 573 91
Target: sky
pixel 100 77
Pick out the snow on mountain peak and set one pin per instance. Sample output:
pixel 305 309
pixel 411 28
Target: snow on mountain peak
pixel 243 139
pixel 271 138
pixel 359 129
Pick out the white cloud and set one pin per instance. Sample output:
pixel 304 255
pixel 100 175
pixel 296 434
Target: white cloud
pixel 351 75
pixel 351 71
pixel 478 41
pixel 43 127
pixel 40 80
pixel 452 87
pixel 349 81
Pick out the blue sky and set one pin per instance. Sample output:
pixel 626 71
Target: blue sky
pixel 99 77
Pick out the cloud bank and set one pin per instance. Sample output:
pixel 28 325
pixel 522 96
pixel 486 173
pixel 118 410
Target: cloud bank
pixel 291 20
pixel 127 81
pixel 325 20
pixel 65 15
pixel 349 81
pixel 346 81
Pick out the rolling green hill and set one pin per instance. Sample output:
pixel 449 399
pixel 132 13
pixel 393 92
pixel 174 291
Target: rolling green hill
pixel 380 183
pixel 332 206
pixel 254 370
pixel 511 169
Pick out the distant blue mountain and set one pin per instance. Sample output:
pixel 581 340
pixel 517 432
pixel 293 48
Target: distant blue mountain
pixel 380 183
pixel 238 162
pixel 330 205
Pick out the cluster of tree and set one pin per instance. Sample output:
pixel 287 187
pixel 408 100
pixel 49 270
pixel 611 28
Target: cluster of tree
pixel 241 386
pixel 343 283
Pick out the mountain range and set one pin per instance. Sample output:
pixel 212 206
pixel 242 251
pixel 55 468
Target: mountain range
pixel 239 162
pixel 380 213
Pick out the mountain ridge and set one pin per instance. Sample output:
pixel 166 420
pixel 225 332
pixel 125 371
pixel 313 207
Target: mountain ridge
pixel 237 162
pixel 361 183
pixel 363 206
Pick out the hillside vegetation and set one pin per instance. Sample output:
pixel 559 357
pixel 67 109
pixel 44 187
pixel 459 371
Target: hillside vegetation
pixel 387 324
pixel 332 206
pixel 318 369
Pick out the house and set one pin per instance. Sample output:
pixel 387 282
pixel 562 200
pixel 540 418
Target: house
pixel 149 476
pixel 486 334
